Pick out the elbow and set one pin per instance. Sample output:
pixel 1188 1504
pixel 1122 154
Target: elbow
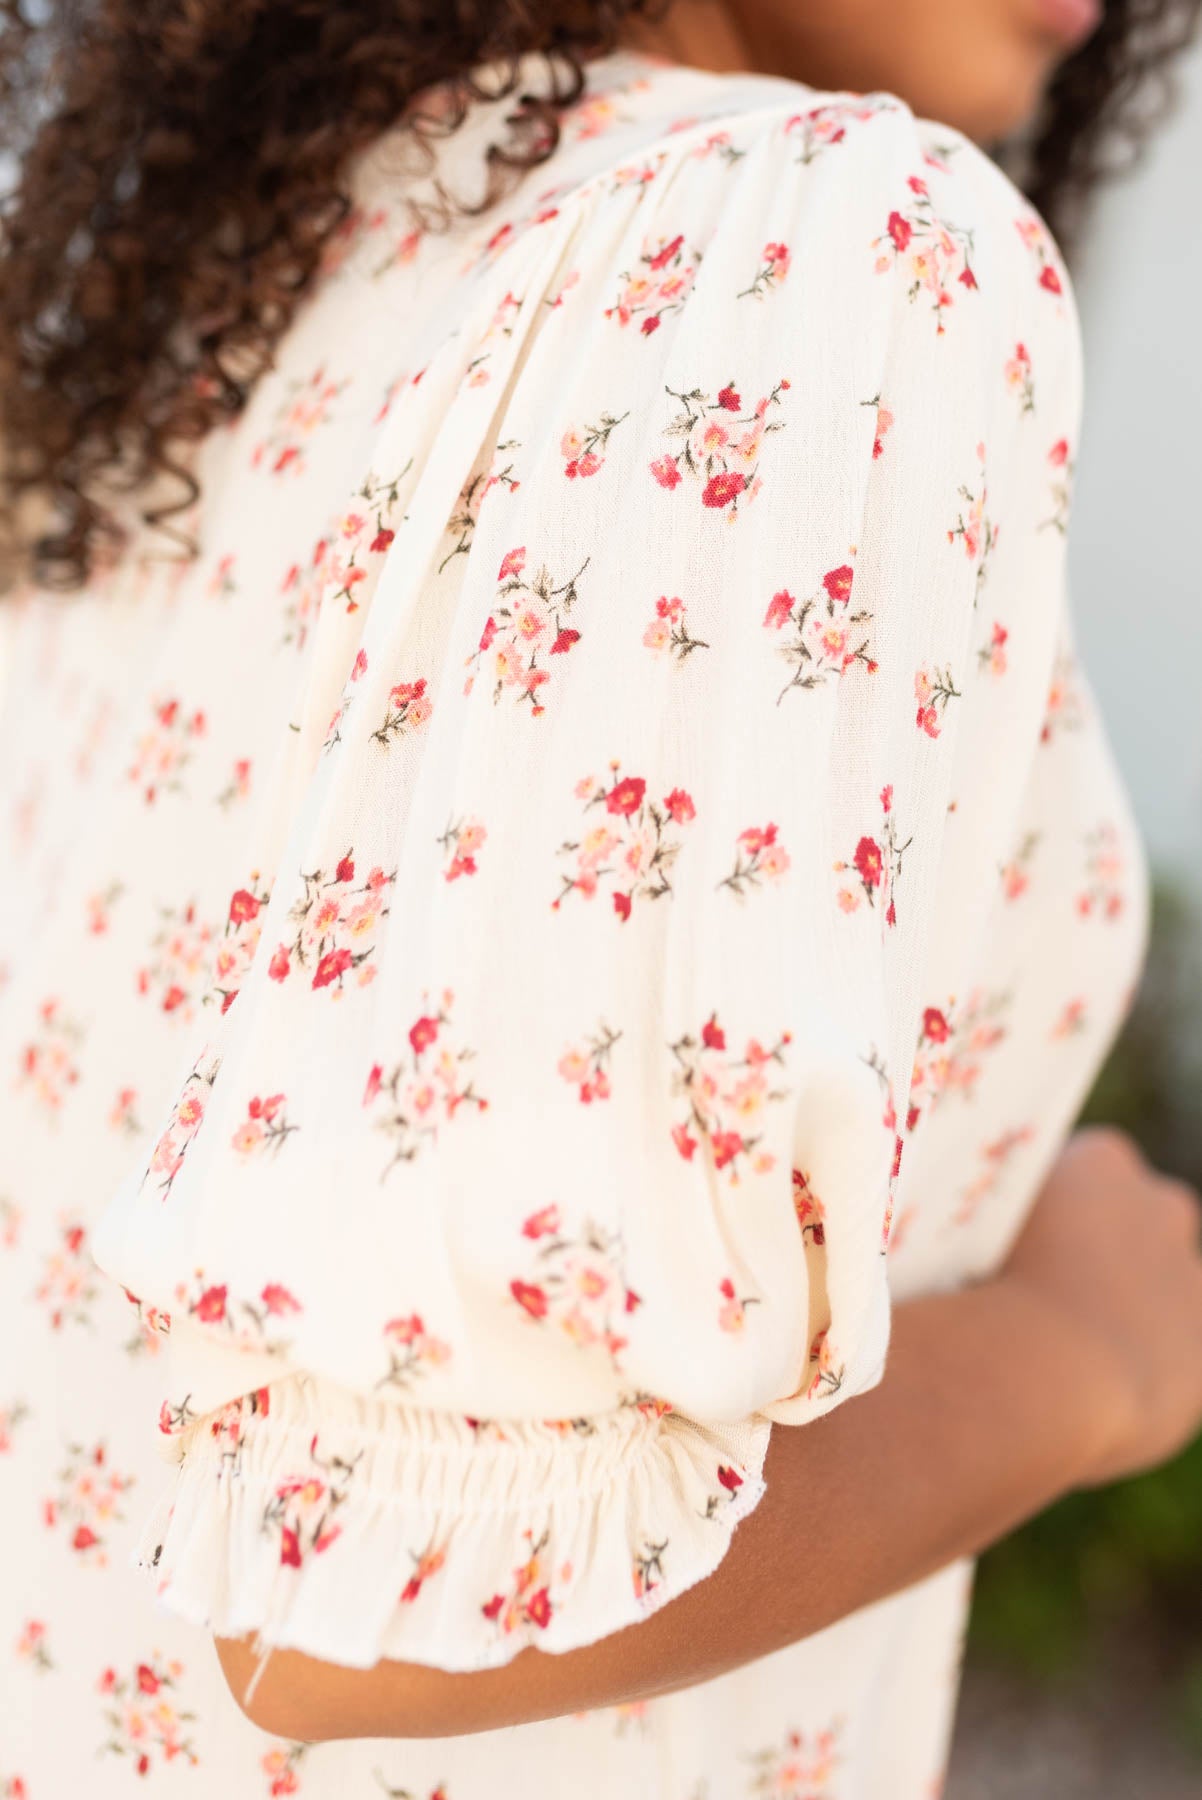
pixel 305 1700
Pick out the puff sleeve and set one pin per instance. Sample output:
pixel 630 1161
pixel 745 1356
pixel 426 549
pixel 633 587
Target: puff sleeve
pixel 545 1162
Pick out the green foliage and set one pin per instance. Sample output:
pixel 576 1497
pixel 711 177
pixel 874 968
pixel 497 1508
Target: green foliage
pixel 1130 1554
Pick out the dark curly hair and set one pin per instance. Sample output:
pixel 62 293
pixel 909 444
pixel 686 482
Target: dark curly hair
pixel 180 166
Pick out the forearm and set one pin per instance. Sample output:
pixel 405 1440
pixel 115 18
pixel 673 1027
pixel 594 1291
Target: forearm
pixel 976 1425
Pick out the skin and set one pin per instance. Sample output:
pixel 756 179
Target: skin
pixel 1079 1363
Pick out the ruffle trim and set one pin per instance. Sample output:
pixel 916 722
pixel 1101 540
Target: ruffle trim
pixel 355 1529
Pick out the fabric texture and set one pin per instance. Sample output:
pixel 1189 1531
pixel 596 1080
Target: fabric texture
pixel 602 874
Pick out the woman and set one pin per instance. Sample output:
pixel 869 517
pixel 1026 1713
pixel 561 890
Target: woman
pixel 569 888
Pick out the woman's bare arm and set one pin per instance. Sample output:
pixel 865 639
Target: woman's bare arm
pixel 996 1400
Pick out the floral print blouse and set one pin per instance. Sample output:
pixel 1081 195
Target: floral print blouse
pixel 602 873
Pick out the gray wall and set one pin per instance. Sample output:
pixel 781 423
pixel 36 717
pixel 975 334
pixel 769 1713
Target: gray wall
pixel 1136 534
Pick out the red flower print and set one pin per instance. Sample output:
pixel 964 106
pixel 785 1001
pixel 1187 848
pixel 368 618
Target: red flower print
pixel 48 1065
pixel 583 450
pixel 409 708
pixel 878 863
pixel 425 1090
pixel 306 407
pixel 661 284
pixel 1064 709
pixel 165 748
pixel 774 266
pixel 953 1041
pixel 141 1730
pixel 580 1284
pixel 826 636
pixel 265 1127
pixel 187 1116
pixel 1019 377
pixel 67 1287
pixel 245 1321
pixel 636 845
pixel 1035 236
pixel 337 925
pixel 727 1097
pixel 1061 463
pixel 732 1313
pixel 996 1157
pixel 1102 896
pixel 412 1350
pixel 667 630
pixel 759 857
pixel 461 842
pixel 529 621
pixel 587 1069
pixel 87 1501
pixel 932 253
pixel 303 1509
pixel 721 452
pixel 933 688
pixel 528 1603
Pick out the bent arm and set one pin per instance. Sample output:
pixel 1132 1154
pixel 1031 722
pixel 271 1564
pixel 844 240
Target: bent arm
pixel 985 1414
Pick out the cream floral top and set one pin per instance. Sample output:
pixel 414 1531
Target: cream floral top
pixel 602 872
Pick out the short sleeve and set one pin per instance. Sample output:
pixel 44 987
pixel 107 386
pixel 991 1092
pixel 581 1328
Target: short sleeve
pixel 544 1161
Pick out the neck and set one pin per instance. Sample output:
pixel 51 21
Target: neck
pixel 700 34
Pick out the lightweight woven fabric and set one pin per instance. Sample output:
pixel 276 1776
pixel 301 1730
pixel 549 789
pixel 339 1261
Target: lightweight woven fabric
pixel 602 873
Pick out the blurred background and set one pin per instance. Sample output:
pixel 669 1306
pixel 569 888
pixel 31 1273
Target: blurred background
pixel 1085 1652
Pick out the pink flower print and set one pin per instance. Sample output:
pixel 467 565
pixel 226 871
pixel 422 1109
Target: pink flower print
pixel 802 1766
pixel 461 842
pixel 280 1765
pixel 1035 236
pixel 877 863
pixel 48 1067
pixel 586 1067
pixel 1102 896
pixel 464 518
pixel 32 1647
pixel 952 1045
pixel 822 127
pixel 634 841
pixel 235 949
pixel 303 586
pixel 265 1126
pixel 87 1502
pixel 668 631
pixel 662 284
pixel 221 584
pixel 144 1719
pixel 720 446
pixel 426 1565
pixel 992 655
pixel 1072 1018
pixel 152 1327
pixel 774 266
pixel 409 707
pixel 11 1221
pixel 337 923
pixel 248 1323
pixel 931 254
pixel 811 1214
pixel 165 748
pixel 305 408
pixel 425 1089
pixel 996 1155
pixel 100 906
pixel 577 1284
pixel 759 856
pixel 527 1606
pixel 403 250
pixel 1016 876
pixel 825 636
pixel 358 540
pixel 583 449
pixel 302 1512
pixel 933 688
pixel 11 1416
pixel 67 1288
pixel 884 424
pixel 1060 462
pixel 726 1098
pixel 181 958
pixel 238 785
pixel 975 530
pixel 187 1116
pixel 1064 709
pixel 532 620
pixel 412 1350
pixel 1019 378
pixel 732 1310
